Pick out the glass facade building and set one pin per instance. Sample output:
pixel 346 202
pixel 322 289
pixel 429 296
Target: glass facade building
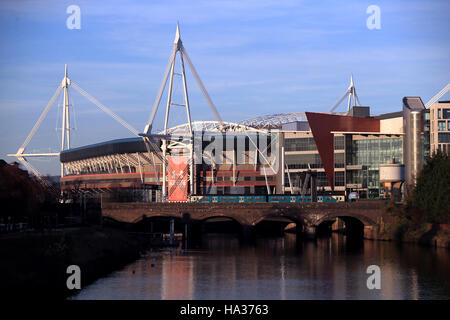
pixel 357 161
pixel 369 153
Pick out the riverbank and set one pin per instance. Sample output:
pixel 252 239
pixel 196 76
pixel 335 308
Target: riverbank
pixel 395 227
pixel 34 264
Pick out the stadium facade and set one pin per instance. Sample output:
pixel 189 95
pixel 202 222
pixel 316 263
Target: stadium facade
pixel 373 155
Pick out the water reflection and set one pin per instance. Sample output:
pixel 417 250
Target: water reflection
pixel 280 268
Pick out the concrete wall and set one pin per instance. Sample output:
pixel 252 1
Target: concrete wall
pixel 393 125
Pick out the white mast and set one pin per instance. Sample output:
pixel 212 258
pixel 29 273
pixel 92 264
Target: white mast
pixel 178 48
pixel 65 137
pixel 65 128
pixel 351 93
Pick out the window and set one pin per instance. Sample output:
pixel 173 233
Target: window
pixel 322 180
pixel 441 125
pixel 339 143
pixel 339 160
pixel 339 178
pixel 448 125
pixel 446 113
pixel 439 114
pixel 444 137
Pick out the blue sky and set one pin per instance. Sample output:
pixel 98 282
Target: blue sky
pixel 254 57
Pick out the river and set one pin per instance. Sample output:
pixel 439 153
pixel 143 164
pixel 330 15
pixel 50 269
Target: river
pixel 280 268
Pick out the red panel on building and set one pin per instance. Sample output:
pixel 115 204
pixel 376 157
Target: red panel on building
pixel 322 124
pixel 177 173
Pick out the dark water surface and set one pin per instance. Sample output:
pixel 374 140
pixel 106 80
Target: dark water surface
pixel 280 268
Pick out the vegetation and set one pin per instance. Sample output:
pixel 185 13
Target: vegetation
pixel 23 195
pixel 426 210
pixel 33 264
pixel 431 195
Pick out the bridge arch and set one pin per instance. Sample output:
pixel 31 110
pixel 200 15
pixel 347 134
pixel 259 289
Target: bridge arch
pixel 276 223
pixel 219 224
pixel 220 216
pixel 366 221
pixel 295 219
pixel 231 223
pixel 353 224
pixel 157 223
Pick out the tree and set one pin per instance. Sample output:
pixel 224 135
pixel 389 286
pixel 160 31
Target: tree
pixel 22 194
pixel 432 191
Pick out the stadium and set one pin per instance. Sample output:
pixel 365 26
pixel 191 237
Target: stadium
pixel 295 157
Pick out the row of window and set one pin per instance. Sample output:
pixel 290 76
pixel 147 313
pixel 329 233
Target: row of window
pixel 373 152
pixel 365 178
pixel 442 113
pixel 234 190
pixel 301 161
pixel 308 144
pixel 322 181
pixel 300 144
pixel 239 178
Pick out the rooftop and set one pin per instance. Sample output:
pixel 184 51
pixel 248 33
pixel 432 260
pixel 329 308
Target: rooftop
pixel 413 103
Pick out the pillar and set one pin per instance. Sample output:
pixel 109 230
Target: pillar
pixel 172 231
pixel 248 234
pixel 187 232
pixel 309 232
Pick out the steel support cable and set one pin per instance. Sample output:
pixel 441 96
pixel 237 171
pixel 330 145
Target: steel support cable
pixel 28 165
pixel 105 109
pixel 41 118
pixel 339 102
pixel 152 148
pixel 438 96
pixel 202 87
pixel 357 99
pixel 259 151
pixel 160 92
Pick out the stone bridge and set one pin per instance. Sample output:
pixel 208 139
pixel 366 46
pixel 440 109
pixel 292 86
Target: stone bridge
pixel 309 215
